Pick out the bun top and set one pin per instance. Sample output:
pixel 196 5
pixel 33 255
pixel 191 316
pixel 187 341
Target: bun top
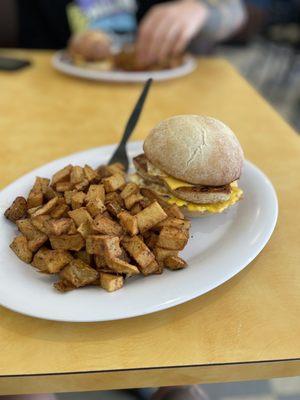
pixel 91 45
pixel 195 149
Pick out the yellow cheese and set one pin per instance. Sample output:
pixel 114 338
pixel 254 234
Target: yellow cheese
pixel 236 194
pixel 174 183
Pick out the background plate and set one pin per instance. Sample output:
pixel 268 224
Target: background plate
pixel 220 247
pixel 62 63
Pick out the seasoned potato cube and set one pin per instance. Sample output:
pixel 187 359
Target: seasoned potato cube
pixel 174 211
pixel 63 286
pixel 20 247
pixel 100 262
pixel 79 273
pixel 77 200
pixel 107 170
pixel 67 242
pixel 161 254
pixel 136 209
pixel 41 184
pixel 122 267
pixel 68 196
pixel 39 222
pixel 95 192
pixel 151 240
pixel 62 175
pixel 154 197
pixel 113 183
pixel 150 216
pixel 17 210
pixel 94 244
pixel 77 175
pixel 60 211
pixel 114 208
pixel 174 262
pixel 49 193
pixel 82 186
pixel 128 222
pixel 85 257
pixel 114 197
pixel 107 226
pixel 34 199
pixel 172 238
pixel 141 254
pixel 46 208
pixel 116 168
pixel 80 215
pixel 174 223
pixel 129 189
pixel 58 227
pixel 111 247
pixel 64 186
pixel 90 174
pixel 86 229
pixel 95 207
pixel 111 282
pixel 132 199
pixel 51 261
pixel 35 238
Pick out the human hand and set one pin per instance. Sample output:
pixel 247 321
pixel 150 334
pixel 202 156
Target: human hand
pixel 167 29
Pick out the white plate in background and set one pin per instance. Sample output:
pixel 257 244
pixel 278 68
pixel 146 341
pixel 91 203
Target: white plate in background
pixel 220 246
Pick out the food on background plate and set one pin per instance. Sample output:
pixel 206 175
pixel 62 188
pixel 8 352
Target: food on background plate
pixel 91 227
pixel 193 162
pixel 90 46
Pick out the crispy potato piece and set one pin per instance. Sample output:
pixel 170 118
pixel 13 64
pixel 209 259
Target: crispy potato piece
pixel 141 254
pixel 67 242
pixel 35 238
pixel 154 197
pixel 34 199
pixel 64 186
pixel 132 199
pixel 51 261
pixel 111 282
pixel 111 247
pixel 151 240
pixel 62 175
pixel 41 184
pixel 17 210
pixel 63 286
pixel 60 211
pixel 174 223
pixel 39 222
pixel 82 186
pixel 128 222
pixel 100 262
pixel 95 192
pixel 80 215
pixel 77 200
pixel 90 174
pixel 114 197
pixel 58 227
pixel 86 229
pixel 20 247
pixel 95 207
pixel 114 208
pixel 122 267
pixel 172 238
pixel 79 273
pixel 174 211
pixel 68 196
pixel 31 211
pixel 94 244
pixel 107 170
pixel 77 175
pixel 136 209
pixel 107 226
pixel 116 168
pixel 49 193
pixel 145 202
pixel 174 263
pixel 161 254
pixel 46 208
pixel 129 189
pixel 113 183
pixel 150 216
pixel 85 257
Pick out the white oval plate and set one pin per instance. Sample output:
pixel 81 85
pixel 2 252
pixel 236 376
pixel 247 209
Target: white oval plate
pixel 220 247
pixel 62 63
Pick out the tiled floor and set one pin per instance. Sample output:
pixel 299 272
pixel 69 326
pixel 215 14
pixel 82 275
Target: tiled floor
pixel 275 389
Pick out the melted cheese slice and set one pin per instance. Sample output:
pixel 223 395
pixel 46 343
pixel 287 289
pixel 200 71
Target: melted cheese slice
pixel 236 194
pixel 174 183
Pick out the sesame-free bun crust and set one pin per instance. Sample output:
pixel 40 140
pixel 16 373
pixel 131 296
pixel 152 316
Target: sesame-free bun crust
pixel 195 149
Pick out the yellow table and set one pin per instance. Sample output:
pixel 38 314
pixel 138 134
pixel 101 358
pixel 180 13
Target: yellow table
pixel 249 328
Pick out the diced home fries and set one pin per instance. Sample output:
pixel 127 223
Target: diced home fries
pixel 90 228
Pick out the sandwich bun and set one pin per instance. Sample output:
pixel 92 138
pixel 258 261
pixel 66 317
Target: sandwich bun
pixel 196 149
pixel 90 46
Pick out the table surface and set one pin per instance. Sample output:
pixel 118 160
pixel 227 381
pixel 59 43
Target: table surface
pixel 248 328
